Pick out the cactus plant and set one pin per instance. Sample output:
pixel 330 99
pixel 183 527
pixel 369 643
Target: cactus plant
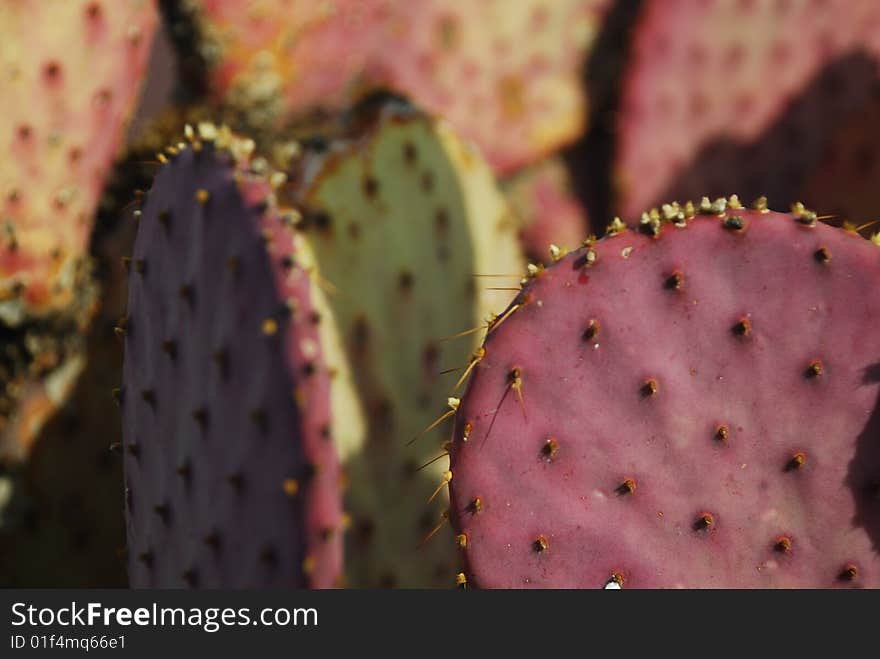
pixel 506 75
pixel 405 219
pixel 700 115
pixel 229 413
pixel 71 73
pixel 690 405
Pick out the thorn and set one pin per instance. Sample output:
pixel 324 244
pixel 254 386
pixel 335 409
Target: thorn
pixel 461 540
pixel 269 327
pixel 444 519
pixel 146 557
pixel 859 228
pixel 464 333
pixel 493 325
pixel 514 379
pixel 822 255
pixel 116 448
pixel 453 404
pixel 134 449
pixel 540 545
pixel 116 394
pixel 477 356
pixel 119 332
pixel 722 433
pixel 447 476
pixel 202 196
pixel 433 460
pixel 461 581
pixel 126 263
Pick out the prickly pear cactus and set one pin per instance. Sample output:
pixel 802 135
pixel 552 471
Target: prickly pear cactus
pixel 549 213
pixel 505 74
pixel 406 223
pixel 70 73
pixel 69 93
pixel 696 404
pixel 700 115
pixel 229 420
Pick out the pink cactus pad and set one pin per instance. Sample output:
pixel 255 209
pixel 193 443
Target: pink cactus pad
pixel 505 74
pixel 231 473
pixel 70 72
pixel 696 405
pixel 714 77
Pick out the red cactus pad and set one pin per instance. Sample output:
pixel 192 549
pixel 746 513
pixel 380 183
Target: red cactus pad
pixel 695 405
pixel 505 74
pixel 70 73
pixel 719 75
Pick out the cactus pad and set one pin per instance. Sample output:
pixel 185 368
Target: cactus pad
pixel 506 75
pixel 228 417
pixel 701 115
pixel 694 405
pixel 404 218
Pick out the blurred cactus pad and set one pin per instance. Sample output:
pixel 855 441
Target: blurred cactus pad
pixel 438 293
